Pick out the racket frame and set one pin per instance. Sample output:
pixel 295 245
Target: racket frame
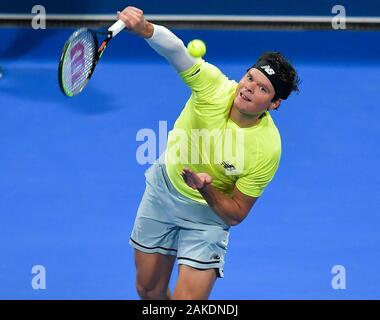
pixel 117 27
pixel 66 48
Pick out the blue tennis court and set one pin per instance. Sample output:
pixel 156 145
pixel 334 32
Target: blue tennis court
pixel 70 184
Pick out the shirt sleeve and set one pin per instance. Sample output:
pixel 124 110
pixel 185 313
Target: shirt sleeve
pixel 205 80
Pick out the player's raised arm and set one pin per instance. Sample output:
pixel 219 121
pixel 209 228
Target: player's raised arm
pixel 162 40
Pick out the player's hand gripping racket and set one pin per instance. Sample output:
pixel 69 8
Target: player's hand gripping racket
pixel 79 57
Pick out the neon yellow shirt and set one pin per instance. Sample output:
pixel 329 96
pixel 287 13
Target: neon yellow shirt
pixel 205 139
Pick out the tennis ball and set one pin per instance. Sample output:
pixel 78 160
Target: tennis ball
pixel 196 48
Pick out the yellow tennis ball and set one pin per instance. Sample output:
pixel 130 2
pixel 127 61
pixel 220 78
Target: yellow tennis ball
pixel 196 48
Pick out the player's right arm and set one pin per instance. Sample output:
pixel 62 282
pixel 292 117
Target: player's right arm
pixel 162 40
pixel 204 79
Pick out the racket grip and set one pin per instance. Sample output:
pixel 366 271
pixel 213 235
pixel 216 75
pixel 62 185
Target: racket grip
pixel 116 27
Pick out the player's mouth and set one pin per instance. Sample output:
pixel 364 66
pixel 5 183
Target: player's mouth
pixel 244 97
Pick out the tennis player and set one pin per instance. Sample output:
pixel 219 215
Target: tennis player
pixel 193 195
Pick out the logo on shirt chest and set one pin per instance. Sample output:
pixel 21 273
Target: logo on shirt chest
pixel 230 169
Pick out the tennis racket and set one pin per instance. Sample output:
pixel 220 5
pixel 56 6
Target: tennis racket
pixel 80 55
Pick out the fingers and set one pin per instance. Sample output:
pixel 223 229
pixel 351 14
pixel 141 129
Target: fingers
pixel 188 178
pixel 188 174
pixel 188 171
pixel 132 17
pixel 184 177
pixel 192 179
pixel 137 10
pixel 130 9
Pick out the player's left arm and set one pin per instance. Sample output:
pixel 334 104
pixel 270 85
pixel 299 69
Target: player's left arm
pixel 232 209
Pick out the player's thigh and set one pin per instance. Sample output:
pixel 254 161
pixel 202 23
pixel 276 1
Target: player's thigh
pixel 153 270
pixel 194 284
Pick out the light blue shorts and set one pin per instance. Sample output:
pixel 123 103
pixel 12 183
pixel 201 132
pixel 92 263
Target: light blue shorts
pixel 169 223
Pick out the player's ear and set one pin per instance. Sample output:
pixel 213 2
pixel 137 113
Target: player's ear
pixel 275 105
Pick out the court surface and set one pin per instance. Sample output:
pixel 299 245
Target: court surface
pixel 70 183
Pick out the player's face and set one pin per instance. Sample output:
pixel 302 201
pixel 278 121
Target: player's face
pixel 254 94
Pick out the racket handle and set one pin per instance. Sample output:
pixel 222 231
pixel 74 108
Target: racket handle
pixel 116 27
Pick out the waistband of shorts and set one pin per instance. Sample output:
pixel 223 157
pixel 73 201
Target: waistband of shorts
pixel 161 163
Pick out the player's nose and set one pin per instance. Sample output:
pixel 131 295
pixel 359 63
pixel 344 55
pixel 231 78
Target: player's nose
pixel 250 88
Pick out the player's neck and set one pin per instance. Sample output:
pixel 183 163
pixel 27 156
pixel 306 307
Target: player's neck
pixel 243 120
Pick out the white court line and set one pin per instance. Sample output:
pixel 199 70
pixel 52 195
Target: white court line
pixel 211 18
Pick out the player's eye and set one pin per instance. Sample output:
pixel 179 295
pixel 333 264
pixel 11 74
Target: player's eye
pixel 263 89
pixel 250 78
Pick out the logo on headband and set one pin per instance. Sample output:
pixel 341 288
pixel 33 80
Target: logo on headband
pixel 268 69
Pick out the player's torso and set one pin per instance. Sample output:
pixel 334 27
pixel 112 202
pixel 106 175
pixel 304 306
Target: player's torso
pixel 214 145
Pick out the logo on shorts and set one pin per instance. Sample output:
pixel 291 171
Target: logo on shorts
pixel 230 169
pixel 215 256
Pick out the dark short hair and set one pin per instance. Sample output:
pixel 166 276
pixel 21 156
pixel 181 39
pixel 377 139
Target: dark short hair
pixel 287 73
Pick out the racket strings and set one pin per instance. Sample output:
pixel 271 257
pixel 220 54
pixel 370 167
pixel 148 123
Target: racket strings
pixel 79 59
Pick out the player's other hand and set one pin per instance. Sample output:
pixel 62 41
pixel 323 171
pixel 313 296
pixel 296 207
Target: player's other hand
pixel 135 21
pixel 195 180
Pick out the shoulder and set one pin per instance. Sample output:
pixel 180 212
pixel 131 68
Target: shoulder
pixel 266 138
pixel 270 137
pixel 203 72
